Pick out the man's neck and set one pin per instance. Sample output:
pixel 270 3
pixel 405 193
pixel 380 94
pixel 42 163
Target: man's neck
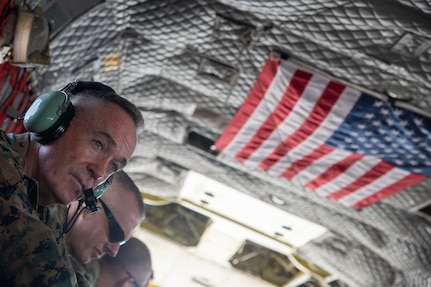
pixel 31 160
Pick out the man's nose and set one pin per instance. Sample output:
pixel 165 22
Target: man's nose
pixel 99 168
pixel 112 248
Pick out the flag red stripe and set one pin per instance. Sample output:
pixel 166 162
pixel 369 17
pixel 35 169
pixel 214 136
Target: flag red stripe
pixel 333 171
pixel 319 112
pixel 306 161
pixel 371 175
pixel 281 111
pixel 400 185
pixel 256 95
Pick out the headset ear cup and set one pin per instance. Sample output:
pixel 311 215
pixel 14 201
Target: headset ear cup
pixel 49 116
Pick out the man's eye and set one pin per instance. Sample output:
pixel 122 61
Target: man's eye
pixel 98 144
pixel 114 167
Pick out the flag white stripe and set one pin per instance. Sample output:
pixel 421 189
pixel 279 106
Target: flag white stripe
pixel 375 186
pixel 291 123
pixel 335 118
pixel 319 166
pixel 263 110
pixel 355 171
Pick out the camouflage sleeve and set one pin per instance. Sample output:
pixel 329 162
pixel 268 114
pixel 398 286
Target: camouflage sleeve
pixel 29 255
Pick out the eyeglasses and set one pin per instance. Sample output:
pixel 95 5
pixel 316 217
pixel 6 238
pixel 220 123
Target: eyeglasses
pixel 116 233
pixel 135 281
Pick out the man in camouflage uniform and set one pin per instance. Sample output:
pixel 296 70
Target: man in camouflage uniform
pixel 34 174
pixel 88 235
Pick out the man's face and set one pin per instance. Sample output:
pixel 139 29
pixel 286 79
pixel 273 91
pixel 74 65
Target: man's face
pixel 100 139
pixel 89 237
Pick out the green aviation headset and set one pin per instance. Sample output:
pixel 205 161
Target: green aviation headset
pixel 49 115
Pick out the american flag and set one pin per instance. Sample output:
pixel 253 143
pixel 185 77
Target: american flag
pixel 330 138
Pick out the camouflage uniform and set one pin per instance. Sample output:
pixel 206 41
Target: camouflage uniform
pixel 90 271
pixel 29 254
pixel 55 217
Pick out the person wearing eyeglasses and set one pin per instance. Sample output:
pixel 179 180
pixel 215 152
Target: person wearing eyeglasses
pixel 121 209
pixel 130 268
pixel 85 235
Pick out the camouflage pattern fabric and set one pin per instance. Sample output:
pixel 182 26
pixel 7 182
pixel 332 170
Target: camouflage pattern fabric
pixel 92 270
pixel 88 273
pixel 29 254
pixel 55 217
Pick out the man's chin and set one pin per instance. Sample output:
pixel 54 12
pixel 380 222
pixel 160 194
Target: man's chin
pixel 77 195
pixel 85 260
